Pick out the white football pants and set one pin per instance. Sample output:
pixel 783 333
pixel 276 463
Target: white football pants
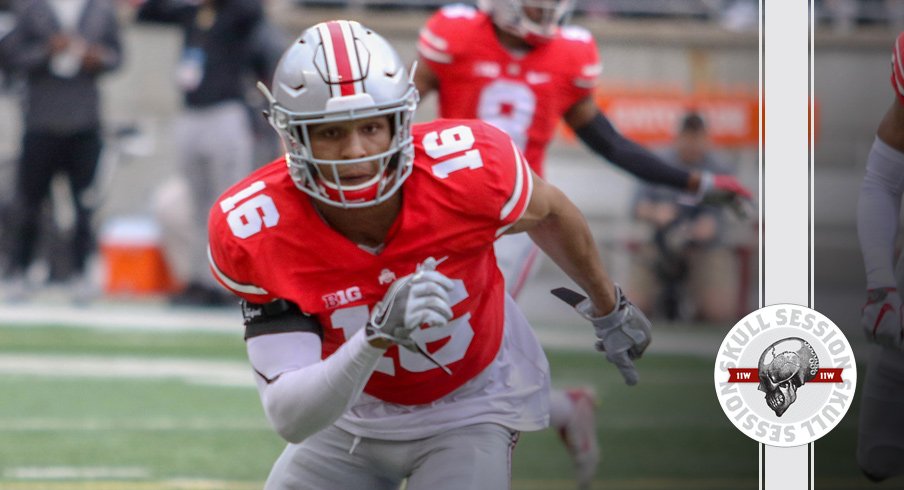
pixel 517 256
pixel 474 457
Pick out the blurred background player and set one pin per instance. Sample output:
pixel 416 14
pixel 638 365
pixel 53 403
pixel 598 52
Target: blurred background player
pixel 684 271
pixel 60 48
pixel 880 443
pixel 372 207
pixel 531 72
pixel 213 135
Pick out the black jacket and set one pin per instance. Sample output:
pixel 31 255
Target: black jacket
pixel 223 43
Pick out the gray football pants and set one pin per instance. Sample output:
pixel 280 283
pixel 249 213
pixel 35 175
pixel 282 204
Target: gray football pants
pixel 214 145
pixel 475 457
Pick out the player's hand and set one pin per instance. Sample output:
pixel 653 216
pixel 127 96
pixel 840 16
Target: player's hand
pixel 94 57
pixel 881 317
pixel 725 190
pixel 59 43
pixel 417 299
pixel 622 334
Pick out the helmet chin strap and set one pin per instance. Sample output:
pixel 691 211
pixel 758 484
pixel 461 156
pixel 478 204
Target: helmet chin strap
pixel 366 191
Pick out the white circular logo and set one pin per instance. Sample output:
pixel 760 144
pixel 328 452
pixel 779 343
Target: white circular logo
pixel 785 375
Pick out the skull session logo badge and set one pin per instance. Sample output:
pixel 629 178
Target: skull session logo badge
pixel 782 373
pixel 785 375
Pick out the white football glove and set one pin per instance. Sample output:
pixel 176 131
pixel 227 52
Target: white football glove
pixel 417 299
pixel 623 334
pixel 881 317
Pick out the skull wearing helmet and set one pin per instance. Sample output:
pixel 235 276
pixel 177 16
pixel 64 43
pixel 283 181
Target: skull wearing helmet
pixel 784 367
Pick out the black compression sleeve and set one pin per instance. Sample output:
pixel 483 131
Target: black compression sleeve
pixel 604 139
pixel 279 316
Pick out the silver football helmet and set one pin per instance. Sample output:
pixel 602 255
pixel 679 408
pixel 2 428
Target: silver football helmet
pixel 511 16
pixel 340 71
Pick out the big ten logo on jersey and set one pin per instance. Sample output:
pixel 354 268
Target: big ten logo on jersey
pixel 342 297
pixel 457 336
pixel 249 211
pixel 448 142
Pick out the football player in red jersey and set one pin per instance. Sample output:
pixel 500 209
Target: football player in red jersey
pixel 383 342
pixel 880 451
pixel 530 72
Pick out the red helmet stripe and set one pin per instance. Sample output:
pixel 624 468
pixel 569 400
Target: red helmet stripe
pixel 341 52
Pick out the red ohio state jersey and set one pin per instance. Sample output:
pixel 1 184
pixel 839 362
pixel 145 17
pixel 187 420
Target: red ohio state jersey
pixel 524 95
pixel 897 68
pixel 468 185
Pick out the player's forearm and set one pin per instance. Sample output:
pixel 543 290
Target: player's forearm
pixel 564 235
pixel 302 401
pixel 877 213
pixel 891 128
pixel 601 137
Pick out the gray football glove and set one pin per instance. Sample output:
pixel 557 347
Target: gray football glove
pixel 623 334
pixel 417 299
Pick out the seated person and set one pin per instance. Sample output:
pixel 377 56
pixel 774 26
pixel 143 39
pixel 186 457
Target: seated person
pixel 684 271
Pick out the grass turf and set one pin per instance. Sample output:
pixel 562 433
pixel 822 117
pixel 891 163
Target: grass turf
pixel 667 432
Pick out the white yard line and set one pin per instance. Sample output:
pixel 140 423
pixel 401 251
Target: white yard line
pixel 76 472
pixel 148 316
pixel 122 484
pixel 219 373
pixel 125 316
pixel 26 424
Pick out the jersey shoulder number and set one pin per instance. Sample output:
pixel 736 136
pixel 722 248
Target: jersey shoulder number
pixel 583 60
pixel 480 164
pixel 245 212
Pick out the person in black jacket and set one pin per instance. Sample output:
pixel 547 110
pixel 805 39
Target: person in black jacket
pixel 213 135
pixel 60 48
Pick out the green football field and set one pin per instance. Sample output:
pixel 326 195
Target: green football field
pixel 141 410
